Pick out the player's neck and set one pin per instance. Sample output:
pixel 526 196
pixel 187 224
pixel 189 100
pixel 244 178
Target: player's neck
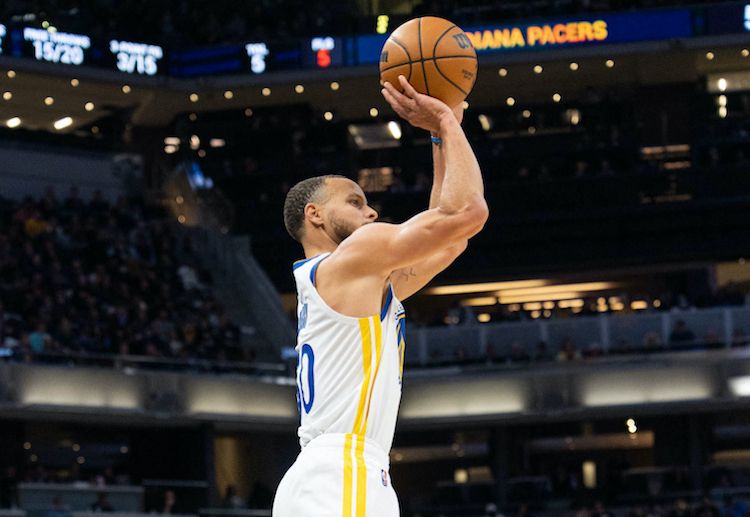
pixel 315 249
pixel 317 243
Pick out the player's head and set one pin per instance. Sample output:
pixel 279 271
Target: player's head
pixel 331 205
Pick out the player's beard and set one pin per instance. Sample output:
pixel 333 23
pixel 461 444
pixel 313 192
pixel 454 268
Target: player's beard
pixel 341 228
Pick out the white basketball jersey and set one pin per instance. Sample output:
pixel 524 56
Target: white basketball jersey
pixel 349 370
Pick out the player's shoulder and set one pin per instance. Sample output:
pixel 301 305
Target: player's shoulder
pixel 362 246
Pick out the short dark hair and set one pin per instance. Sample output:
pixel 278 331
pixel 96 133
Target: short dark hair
pixel 304 192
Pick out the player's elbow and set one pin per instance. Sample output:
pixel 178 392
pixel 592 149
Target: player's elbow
pixel 478 213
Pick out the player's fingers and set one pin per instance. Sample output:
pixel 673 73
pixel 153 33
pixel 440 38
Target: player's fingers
pixel 408 88
pixel 395 104
pixel 397 95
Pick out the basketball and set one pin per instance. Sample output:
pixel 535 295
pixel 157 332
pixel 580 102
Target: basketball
pixel 434 55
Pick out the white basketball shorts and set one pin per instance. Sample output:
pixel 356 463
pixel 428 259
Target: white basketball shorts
pixel 337 475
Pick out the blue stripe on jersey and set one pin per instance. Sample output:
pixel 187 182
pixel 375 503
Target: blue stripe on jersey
pixel 388 298
pixel 312 271
pixel 300 263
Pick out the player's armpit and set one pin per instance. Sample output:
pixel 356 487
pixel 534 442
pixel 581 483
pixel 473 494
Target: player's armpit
pixel 408 280
pixel 380 248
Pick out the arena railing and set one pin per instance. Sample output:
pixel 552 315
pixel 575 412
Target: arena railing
pixel 603 334
pixel 138 362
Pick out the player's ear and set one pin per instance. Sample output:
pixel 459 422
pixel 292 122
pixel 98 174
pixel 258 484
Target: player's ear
pixel 314 214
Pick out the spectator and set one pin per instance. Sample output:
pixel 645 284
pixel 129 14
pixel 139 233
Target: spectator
pixel 681 334
pixel 170 499
pixel 600 511
pixel 681 509
pixel 59 508
pixel 568 351
pixel 706 509
pixel 231 499
pixel 734 507
pixel 101 504
pixel 8 488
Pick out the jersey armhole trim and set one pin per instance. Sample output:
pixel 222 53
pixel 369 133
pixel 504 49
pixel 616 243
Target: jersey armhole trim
pixel 387 304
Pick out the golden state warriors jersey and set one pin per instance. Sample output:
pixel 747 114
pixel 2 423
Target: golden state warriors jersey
pixel 349 370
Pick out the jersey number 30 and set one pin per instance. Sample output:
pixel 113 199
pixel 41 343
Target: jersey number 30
pixel 305 375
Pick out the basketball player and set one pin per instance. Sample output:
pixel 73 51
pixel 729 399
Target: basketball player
pixel 350 335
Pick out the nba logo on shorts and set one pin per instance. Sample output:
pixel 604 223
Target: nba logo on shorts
pixel 384 477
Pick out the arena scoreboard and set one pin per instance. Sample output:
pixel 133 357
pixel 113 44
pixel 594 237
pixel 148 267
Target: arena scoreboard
pixel 259 56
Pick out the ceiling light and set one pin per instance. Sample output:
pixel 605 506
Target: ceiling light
pixel 193 97
pixel 170 149
pixel 395 129
pixel 74 82
pixel 722 84
pixel 465 105
pixel 485 122
pixel 710 56
pixel 328 116
pixel 95 130
pixel 486 287
pixel 526 114
pixel 11 74
pixel 373 112
pixel 49 101
pixel 229 94
pixel 63 123
pixel 193 117
pixel 202 153
pixel 556 97
pixel 195 142
pixel 502 72
pixel 510 101
pixel 573 66
pixel 13 122
pixel 89 106
pixel 266 92
pixel 172 140
pixel 538 69
pixel 7 96
pixel 299 88
pixel 248 112
pixel 745 52
pixel 335 86
pixel 126 88
pixel 217 142
pixel 609 63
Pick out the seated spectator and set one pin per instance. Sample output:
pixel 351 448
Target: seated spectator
pixel 59 508
pixel 706 509
pixel 681 509
pixel 102 504
pixel 681 334
pixel 231 499
pixel 739 338
pixel 568 351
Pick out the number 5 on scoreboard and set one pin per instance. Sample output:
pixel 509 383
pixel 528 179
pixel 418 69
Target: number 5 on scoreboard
pixel 306 379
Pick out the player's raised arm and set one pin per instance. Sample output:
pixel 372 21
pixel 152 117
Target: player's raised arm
pixel 460 211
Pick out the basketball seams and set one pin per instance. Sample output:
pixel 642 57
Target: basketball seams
pixel 437 41
pixel 429 59
pixel 397 42
pixel 421 54
pixel 450 81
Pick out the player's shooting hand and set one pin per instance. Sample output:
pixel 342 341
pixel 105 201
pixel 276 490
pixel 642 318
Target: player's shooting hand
pixel 417 109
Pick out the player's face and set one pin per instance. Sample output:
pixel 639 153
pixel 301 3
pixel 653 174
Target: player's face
pixel 347 208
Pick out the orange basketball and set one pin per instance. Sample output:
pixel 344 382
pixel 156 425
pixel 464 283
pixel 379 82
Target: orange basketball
pixel 436 57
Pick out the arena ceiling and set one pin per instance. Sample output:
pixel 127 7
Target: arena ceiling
pixel 41 94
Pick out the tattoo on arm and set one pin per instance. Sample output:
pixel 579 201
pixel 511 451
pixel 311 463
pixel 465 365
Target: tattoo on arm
pixel 404 275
